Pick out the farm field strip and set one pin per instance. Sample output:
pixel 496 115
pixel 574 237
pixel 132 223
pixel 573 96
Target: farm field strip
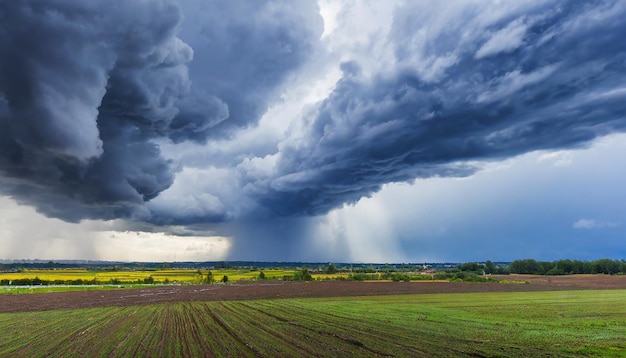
pixel 553 323
pixel 181 276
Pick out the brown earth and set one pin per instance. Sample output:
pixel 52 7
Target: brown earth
pixel 596 282
pixel 272 290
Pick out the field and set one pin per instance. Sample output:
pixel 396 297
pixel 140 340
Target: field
pixel 159 276
pixel 544 323
pixel 569 317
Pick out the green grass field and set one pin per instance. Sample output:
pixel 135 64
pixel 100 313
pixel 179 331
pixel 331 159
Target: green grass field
pixel 539 324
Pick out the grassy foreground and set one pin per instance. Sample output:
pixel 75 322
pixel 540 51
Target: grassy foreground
pixel 561 323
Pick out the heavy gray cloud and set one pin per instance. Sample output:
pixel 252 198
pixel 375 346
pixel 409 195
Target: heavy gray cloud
pixel 243 51
pixel 86 90
pixel 87 85
pixel 492 81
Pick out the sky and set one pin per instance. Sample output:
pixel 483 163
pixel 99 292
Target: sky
pixel 344 131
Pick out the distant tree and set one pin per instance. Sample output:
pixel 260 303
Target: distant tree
pixel 579 267
pixel 397 277
pixel 302 275
pixel 209 277
pixel 527 266
pixel 471 267
pixel 567 267
pixel 261 275
pixel 562 266
pixel 490 267
pixel 503 270
pixel 331 269
pixel 606 266
pixel 148 280
pixel 225 279
pixel 555 271
pixel 545 266
pixel 358 276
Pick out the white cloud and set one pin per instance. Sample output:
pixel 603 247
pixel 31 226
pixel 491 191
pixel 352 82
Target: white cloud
pixel 505 40
pixel 329 11
pixel 26 234
pixel 157 247
pixel 594 224
pixel 514 81
pixel 559 158
pixel 197 193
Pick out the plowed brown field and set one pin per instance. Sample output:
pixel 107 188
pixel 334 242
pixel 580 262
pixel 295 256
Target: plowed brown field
pixel 271 290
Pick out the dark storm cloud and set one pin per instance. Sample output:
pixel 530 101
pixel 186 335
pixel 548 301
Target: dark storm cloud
pixel 242 51
pixel 547 76
pixel 88 91
pixel 88 88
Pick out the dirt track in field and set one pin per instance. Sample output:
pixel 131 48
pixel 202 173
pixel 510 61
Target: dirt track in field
pixel 270 290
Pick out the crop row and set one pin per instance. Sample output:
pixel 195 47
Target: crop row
pixel 571 323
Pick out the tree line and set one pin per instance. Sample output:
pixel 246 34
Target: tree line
pixel 36 281
pixel 568 267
